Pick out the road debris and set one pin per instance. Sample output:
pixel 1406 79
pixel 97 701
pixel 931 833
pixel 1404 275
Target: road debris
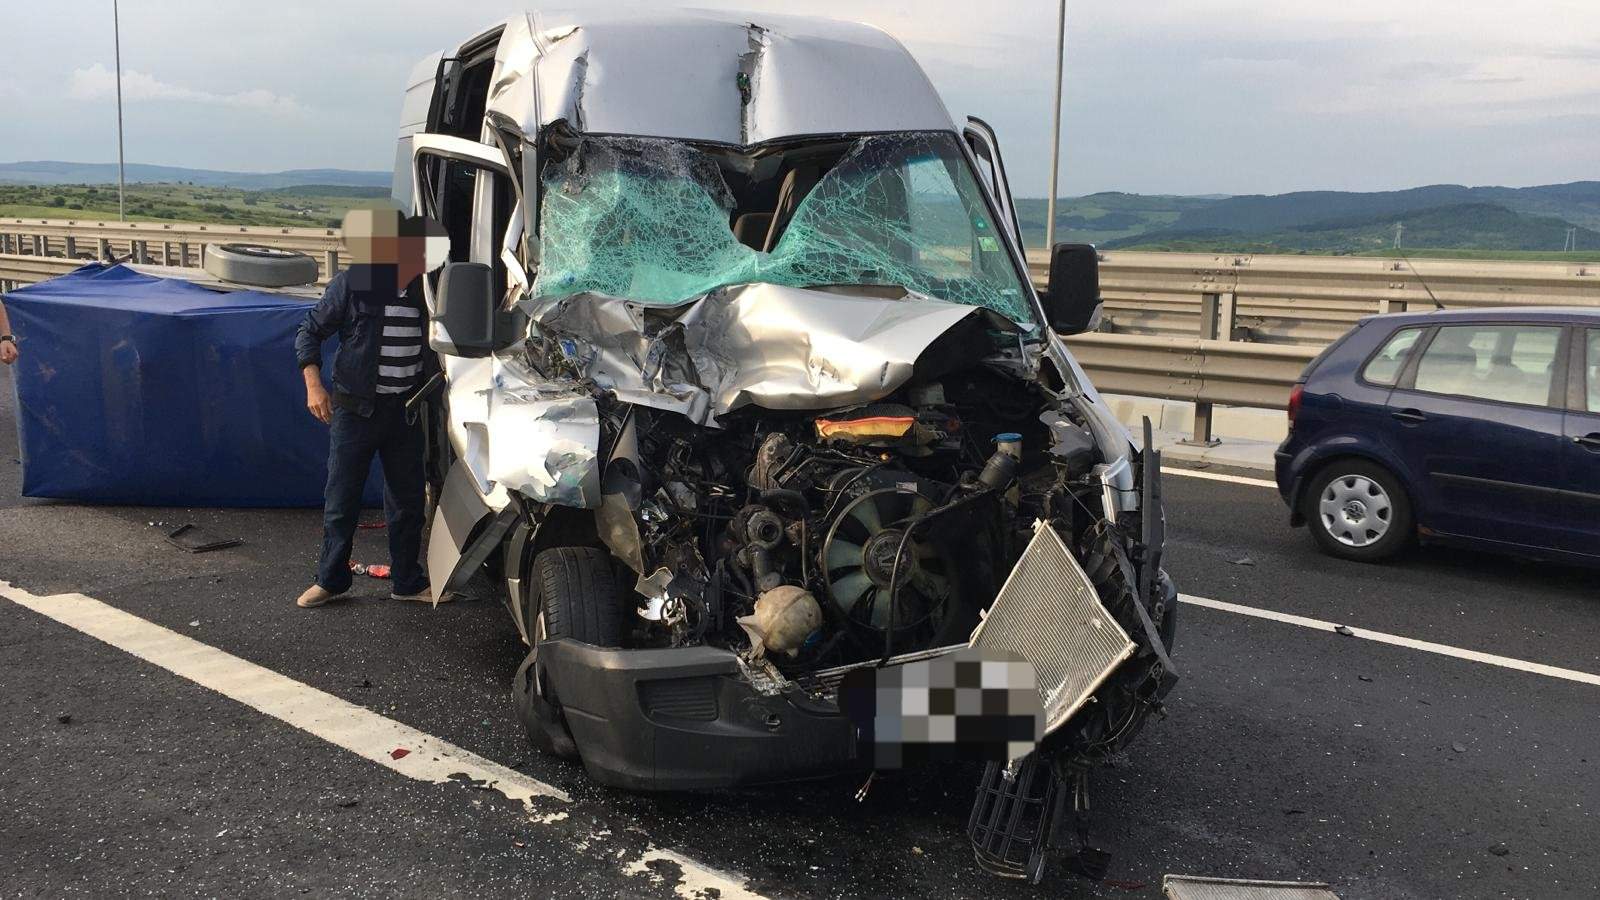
pixel 399 753
pixel 375 570
pixel 193 539
pixel 64 718
pixel 1459 747
pixel 1344 630
pixel 1243 561
pixel 1499 849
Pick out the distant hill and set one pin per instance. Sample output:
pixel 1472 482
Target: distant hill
pixel 1462 226
pixel 1439 217
pixel 1578 203
pixel 55 172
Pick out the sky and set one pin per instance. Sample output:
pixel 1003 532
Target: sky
pixel 1162 96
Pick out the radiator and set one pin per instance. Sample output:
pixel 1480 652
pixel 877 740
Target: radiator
pixel 1049 614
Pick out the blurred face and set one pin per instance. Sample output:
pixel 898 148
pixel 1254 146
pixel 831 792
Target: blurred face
pixel 384 237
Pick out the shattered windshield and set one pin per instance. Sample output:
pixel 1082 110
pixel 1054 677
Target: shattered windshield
pixel 656 221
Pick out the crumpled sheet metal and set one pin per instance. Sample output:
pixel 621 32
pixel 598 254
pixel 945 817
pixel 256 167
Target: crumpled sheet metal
pixel 777 347
pixel 708 76
pixel 536 437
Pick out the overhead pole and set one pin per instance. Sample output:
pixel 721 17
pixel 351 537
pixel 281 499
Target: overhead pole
pixel 116 38
pixel 1055 140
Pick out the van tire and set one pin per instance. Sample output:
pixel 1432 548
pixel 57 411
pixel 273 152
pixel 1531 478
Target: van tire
pixel 1370 511
pixel 578 595
pixel 257 265
pixel 576 598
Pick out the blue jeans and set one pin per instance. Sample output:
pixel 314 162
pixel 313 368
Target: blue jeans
pixel 353 440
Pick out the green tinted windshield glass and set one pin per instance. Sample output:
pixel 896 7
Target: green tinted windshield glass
pixel 649 220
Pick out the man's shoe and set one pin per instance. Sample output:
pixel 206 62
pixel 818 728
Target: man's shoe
pixel 316 595
pixel 422 596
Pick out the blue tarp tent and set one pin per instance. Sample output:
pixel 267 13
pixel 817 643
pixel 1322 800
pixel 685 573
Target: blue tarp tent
pixel 133 389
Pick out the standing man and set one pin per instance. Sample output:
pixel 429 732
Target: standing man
pixel 8 341
pixel 375 307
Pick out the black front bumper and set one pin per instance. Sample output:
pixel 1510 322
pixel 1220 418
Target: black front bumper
pixel 688 718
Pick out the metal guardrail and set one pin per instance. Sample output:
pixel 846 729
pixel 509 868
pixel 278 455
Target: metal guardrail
pixel 162 243
pixel 1202 372
pixel 1310 300
pixel 1234 329
pixel 18 270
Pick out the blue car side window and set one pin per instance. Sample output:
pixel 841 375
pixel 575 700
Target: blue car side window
pixel 1503 363
pixel 1385 365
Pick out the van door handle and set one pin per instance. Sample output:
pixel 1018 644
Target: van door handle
pixel 1409 416
pixel 1589 442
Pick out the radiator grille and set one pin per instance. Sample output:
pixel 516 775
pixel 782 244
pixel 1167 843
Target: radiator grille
pixel 1049 614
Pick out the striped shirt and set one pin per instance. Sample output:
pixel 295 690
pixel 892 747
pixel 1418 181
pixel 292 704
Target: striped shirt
pixel 400 350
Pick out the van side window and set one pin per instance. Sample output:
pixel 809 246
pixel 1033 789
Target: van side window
pixel 1592 368
pixel 1384 368
pixel 1507 363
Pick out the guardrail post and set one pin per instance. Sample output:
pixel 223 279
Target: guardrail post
pixel 140 251
pixel 38 245
pixel 72 247
pixel 105 250
pixel 1228 318
pixel 331 263
pixel 1212 319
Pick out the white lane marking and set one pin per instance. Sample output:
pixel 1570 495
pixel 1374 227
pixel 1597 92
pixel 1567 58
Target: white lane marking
pixel 354 728
pixel 1395 640
pixel 1218 476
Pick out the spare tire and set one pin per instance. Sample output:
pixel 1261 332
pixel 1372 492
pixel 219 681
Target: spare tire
pixel 257 265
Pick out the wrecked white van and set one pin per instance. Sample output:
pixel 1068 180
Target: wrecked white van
pixel 746 387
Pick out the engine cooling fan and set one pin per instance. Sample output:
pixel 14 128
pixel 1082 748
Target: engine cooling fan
pixel 858 562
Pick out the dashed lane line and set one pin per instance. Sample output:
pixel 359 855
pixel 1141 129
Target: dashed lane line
pixel 1218 476
pixel 354 728
pixel 1395 640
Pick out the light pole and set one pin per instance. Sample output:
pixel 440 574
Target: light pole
pixel 1055 140
pixel 116 37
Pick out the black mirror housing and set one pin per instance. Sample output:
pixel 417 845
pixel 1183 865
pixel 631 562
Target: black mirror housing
pixel 466 311
pixel 1072 295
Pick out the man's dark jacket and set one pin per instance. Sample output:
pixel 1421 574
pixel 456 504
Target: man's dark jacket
pixel 352 307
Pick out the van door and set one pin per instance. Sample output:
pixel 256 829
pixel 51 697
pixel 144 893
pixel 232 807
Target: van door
pixel 466 186
pixel 1580 450
pixel 992 172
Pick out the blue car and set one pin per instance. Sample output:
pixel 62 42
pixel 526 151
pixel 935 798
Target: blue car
pixel 1478 427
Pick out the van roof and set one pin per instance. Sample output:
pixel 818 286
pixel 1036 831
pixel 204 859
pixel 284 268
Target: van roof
pixel 709 76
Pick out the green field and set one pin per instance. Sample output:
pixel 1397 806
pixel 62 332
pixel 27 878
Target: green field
pixel 311 206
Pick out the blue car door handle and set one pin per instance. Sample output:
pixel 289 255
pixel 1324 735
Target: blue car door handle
pixel 1409 416
pixel 1590 441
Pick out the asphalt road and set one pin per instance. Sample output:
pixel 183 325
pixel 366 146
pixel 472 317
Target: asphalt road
pixel 1288 753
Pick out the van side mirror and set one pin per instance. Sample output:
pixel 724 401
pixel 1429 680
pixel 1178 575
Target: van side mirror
pixel 467 317
pixel 1072 295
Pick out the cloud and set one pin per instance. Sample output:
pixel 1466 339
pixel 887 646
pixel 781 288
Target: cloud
pixel 97 82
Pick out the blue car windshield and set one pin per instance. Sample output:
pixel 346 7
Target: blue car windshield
pixel 650 221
